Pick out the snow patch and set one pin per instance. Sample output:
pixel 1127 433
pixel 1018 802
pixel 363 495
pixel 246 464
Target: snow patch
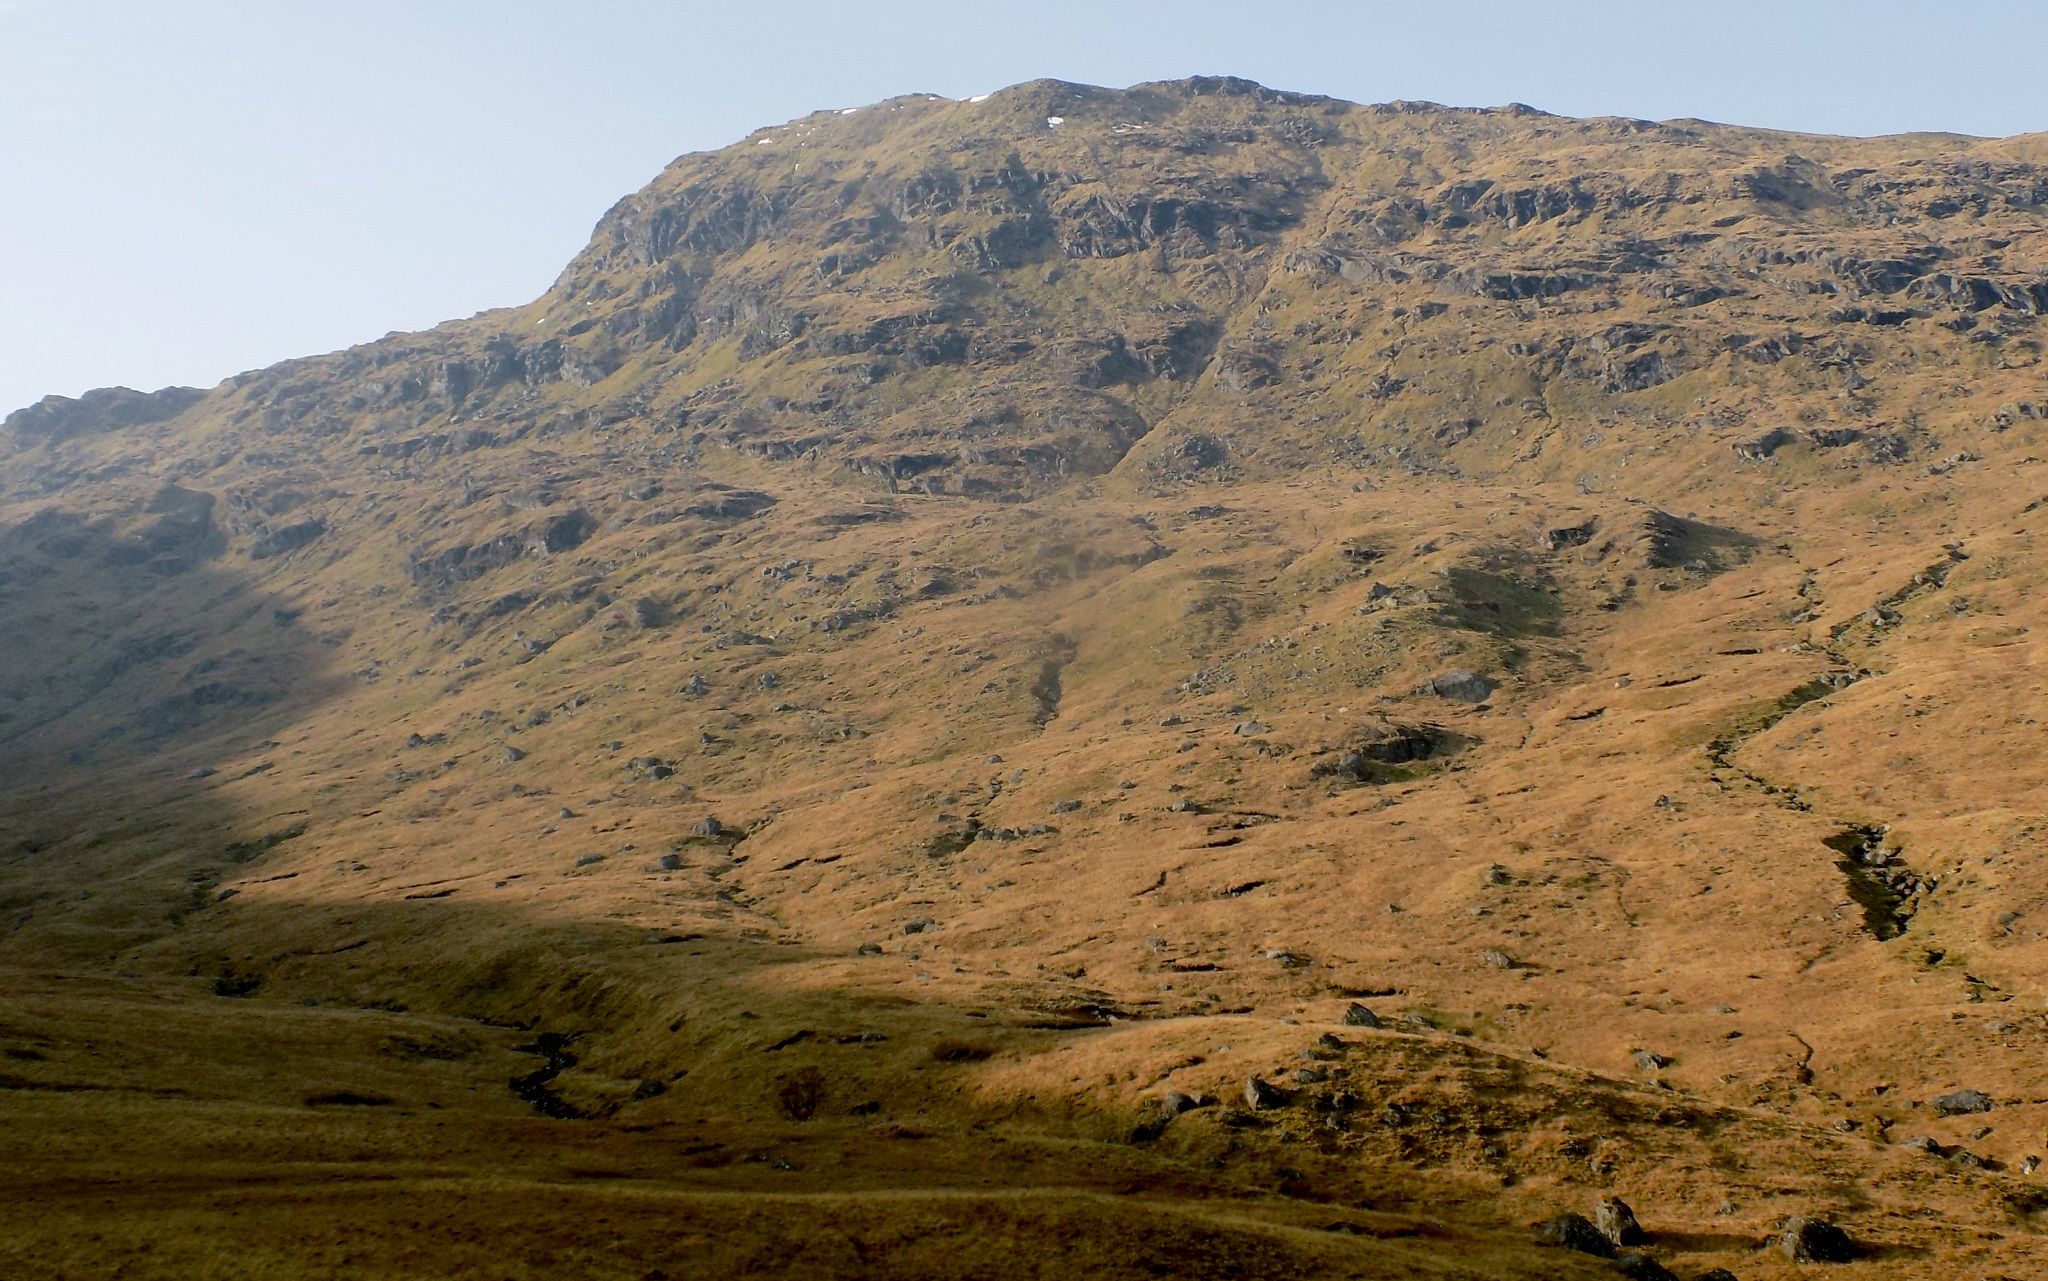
pixel 847 111
pixel 981 97
pixel 1055 121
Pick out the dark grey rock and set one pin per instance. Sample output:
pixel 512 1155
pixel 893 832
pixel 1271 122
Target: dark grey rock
pixel 1641 1267
pixel 1576 1232
pixel 1809 1240
pixel 1357 1015
pixel 1462 687
pixel 1261 1095
pixel 1963 1103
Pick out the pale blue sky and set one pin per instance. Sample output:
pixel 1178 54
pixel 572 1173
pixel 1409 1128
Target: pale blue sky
pixel 189 188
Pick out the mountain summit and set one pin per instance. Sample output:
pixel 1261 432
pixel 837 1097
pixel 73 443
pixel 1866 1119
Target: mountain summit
pixel 1148 682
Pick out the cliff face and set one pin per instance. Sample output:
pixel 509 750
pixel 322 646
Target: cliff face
pixel 1011 606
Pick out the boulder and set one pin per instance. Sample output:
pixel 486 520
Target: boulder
pixel 1641 1267
pixel 1576 1232
pixel 1963 1103
pixel 1357 1015
pixel 1810 1240
pixel 1462 687
pixel 1617 1221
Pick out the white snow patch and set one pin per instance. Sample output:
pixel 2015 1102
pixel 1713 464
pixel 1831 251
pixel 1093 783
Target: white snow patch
pixel 1055 121
pixel 981 97
pixel 847 111
pixel 762 142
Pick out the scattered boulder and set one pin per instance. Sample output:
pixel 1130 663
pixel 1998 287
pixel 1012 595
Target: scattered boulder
pixel 708 826
pixel 1963 1103
pixel 1461 687
pixel 657 770
pixel 1176 1102
pixel 1759 448
pixel 563 533
pixel 1379 749
pixel 1617 1221
pixel 1576 1232
pixel 1641 1267
pixel 1261 1095
pixel 1571 535
pixel 1810 1240
pixel 1357 1015
pixel 1250 729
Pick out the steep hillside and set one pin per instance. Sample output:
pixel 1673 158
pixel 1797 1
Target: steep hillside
pixel 1179 681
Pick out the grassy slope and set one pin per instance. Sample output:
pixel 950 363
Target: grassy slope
pixel 425 909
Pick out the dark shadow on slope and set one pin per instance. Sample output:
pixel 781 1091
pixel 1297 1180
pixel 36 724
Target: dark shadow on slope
pixel 134 665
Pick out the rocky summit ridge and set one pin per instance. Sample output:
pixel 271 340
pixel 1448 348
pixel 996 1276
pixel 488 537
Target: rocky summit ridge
pixel 1147 680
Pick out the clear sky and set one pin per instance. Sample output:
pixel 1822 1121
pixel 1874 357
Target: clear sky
pixel 189 188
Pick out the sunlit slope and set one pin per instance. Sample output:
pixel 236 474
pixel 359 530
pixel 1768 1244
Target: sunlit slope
pixel 954 624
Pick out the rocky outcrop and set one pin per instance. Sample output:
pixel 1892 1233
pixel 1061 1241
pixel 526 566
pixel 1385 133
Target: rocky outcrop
pixel 55 418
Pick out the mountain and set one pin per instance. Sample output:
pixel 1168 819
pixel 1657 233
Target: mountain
pixel 1189 680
